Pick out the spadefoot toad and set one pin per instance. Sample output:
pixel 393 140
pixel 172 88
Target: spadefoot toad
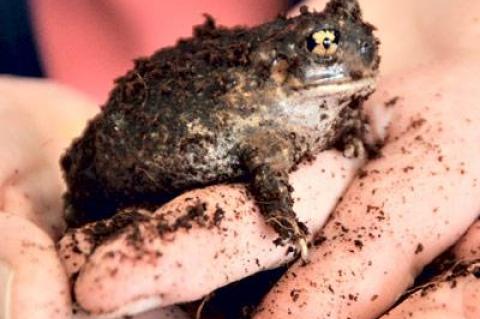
pixel 226 105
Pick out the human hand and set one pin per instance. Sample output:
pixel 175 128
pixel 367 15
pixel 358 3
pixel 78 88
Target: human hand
pixel 405 209
pixel 129 262
pixel 38 120
pixel 408 95
pixel 32 219
pixel 455 292
pixel 417 199
pixel 411 163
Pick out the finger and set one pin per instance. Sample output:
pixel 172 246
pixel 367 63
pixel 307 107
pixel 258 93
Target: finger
pixel 33 283
pixel 397 216
pixel 160 313
pixel 38 119
pixel 163 313
pixel 455 293
pixel 224 240
pixel 469 245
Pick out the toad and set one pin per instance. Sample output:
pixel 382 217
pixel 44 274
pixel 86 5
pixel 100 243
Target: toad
pixel 227 105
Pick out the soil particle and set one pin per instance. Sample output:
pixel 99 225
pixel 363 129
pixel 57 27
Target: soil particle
pixel 417 123
pixel 408 168
pixel 101 231
pixel 362 173
pixel 295 294
pixel 358 244
pixel 194 214
pixel 218 216
pixel 331 289
pixel 392 102
pixel 419 249
pixel 318 240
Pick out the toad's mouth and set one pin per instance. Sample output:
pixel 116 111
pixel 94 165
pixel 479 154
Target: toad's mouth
pixel 344 86
pixel 338 78
pixel 337 72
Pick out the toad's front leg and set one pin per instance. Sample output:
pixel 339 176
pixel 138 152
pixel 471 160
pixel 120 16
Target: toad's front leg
pixel 268 161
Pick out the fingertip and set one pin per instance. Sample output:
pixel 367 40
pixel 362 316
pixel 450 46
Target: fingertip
pixel 33 282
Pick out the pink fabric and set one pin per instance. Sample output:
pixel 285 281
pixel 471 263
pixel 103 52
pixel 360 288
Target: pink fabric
pixel 86 44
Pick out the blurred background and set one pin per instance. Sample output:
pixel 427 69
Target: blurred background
pixel 86 44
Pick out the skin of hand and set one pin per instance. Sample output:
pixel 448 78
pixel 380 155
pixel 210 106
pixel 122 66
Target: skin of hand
pixel 464 97
pixel 28 265
pixel 44 117
pixel 444 297
pixel 35 127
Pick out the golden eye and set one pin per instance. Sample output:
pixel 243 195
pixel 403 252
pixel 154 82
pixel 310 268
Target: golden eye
pixel 323 43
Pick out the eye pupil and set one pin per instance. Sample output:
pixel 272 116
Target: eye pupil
pixel 327 43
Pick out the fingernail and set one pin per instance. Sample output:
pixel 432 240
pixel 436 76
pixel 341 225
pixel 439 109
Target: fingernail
pixel 6 279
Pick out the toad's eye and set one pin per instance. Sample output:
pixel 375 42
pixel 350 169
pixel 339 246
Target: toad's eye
pixel 324 42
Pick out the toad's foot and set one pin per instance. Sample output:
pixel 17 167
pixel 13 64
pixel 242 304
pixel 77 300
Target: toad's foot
pixel 290 229
pixel 303 248
pixel 269 164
